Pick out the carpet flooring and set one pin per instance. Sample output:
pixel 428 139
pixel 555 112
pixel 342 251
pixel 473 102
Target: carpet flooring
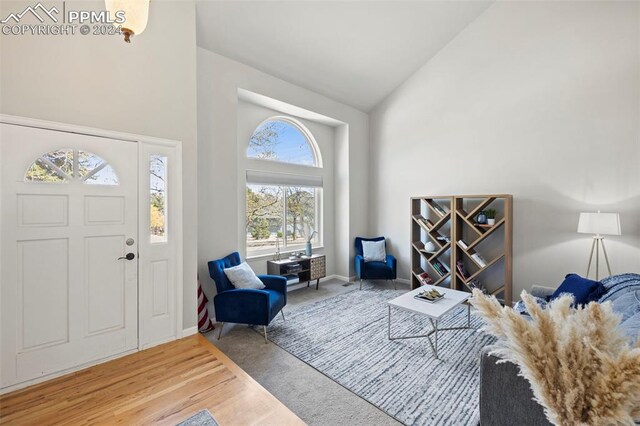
pixel 312 396
pixel 345 338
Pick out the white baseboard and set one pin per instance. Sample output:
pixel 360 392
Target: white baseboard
pixel 343 278
pixel 403 280
pixel 190 331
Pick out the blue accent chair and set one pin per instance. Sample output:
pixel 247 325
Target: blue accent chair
pixel 242 305
pixel 374 270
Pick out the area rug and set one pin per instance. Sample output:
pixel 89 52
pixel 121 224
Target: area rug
pixel 201 418
pixel 345 338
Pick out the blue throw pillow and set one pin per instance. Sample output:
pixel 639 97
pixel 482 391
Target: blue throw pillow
pixel 583 290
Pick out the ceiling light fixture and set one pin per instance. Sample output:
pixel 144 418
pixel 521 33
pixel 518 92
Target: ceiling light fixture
pixel 136 15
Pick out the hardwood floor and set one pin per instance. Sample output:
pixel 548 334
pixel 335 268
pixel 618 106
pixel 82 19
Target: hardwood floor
pixel 161 385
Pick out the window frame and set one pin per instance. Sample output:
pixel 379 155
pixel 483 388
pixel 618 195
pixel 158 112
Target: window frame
pixel 285 248
pixel 266 166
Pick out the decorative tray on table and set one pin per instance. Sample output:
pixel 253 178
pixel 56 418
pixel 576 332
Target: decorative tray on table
pixel 430 296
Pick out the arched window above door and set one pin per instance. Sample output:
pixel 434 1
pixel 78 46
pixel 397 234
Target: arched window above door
pixel 66 165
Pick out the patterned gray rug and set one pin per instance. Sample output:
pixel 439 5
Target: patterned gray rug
pixel 345 338
pixel 201 418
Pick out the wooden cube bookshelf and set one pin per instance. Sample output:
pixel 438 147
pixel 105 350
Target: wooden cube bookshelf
pixel 445 220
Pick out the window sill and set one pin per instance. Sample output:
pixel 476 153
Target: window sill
pixel 283 254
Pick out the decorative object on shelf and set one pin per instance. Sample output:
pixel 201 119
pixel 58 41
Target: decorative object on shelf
pixel 491 216
pixel 481 218
pixel 429 247
pixel 309 247
pixel 599 224
pixel 276 255
pixel 296 255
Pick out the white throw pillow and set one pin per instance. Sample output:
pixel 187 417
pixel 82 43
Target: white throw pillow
pixel 373 251
pixel 242 276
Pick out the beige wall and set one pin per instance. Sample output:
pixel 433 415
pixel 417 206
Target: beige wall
pixel 537 99
pixel 219 79
pixel 147 87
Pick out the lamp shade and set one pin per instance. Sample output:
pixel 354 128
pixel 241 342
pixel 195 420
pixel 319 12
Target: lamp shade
pixel 136 15
pixel 599 223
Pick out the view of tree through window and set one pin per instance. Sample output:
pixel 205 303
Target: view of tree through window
pixel 282 215
pixel 269 208
pixel 281 141
pixel 158 198
pixel 58 166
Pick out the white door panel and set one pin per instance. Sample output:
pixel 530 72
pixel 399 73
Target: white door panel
pixel 66 298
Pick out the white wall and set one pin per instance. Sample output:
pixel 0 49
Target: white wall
pixel 250 116
pixel 147 87
pixel 537 99
pixel 219 79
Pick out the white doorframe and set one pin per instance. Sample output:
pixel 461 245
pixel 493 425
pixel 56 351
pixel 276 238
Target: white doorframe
pixel 144 142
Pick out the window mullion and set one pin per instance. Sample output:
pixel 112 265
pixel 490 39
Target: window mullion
pixel 284 212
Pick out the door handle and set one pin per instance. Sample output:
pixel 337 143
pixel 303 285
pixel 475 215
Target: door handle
pixel 129 256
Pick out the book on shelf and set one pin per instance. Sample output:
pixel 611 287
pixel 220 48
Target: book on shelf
pixel 440 268
pixel 425 278
pixel 477 284
pixel 479 259
pixel 463 244
pixel 461 269
pixel 292 279
pixel 439 209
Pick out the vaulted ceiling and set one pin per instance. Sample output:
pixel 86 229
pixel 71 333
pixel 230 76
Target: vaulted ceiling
pixel 355 52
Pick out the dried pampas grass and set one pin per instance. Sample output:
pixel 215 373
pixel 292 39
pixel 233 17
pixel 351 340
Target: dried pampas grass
pixel 581 370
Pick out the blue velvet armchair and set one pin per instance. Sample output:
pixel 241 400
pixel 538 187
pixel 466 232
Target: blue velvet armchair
pixel 246 306
pixel 374 270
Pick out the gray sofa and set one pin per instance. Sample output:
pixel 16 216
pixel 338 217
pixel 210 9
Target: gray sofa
pixel 506 399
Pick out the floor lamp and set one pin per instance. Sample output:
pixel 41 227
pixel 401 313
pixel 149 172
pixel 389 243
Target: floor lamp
pixel 599 224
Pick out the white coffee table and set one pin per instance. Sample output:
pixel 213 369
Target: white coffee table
pixel 434 311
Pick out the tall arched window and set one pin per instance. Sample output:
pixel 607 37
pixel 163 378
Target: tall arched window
pixel 283 206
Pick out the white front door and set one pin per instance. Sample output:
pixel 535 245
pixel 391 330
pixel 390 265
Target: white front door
pixel 69 218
